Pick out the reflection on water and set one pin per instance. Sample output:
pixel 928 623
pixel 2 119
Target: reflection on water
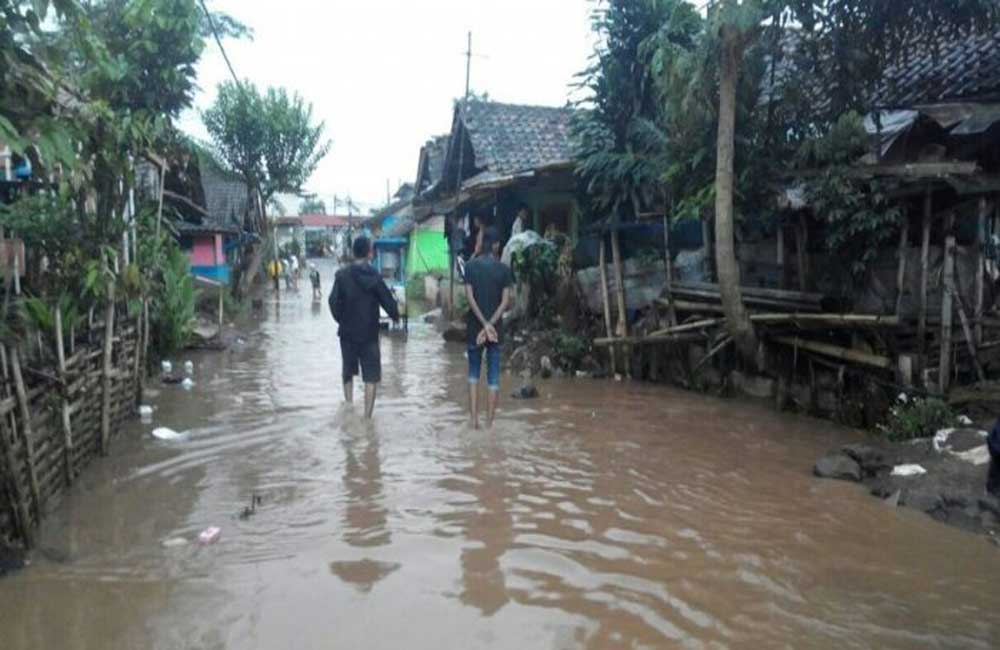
pixel 601 515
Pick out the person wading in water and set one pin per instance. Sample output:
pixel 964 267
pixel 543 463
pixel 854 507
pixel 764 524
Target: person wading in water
pixel 354 301
pixel 487 288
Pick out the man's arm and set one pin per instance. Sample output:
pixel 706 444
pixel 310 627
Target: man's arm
pixel 387 300
pixel 502 309
pixel 335 301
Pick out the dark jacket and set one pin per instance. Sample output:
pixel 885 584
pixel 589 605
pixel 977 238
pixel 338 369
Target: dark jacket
pixel 357 292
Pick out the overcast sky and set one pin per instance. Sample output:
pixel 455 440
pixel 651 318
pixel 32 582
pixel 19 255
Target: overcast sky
pixel 382 74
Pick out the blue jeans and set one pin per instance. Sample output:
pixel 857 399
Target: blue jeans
pixel 492 364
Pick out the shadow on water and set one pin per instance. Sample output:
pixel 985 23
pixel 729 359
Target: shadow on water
pixel 600 515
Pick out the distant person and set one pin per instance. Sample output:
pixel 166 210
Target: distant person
pixel 487 288
pixel 314 279
pixel 274 270
pixel 357 293
pixel 993 478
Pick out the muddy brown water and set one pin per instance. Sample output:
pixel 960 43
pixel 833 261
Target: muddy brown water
pixel 602 515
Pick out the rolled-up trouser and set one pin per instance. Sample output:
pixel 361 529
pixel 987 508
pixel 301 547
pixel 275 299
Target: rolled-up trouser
pixel 492 364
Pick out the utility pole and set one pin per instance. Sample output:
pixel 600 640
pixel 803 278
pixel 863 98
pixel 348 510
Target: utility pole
pixel 388 199
pixel 458 181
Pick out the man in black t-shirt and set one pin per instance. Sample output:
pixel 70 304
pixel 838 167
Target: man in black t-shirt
pixel 487 288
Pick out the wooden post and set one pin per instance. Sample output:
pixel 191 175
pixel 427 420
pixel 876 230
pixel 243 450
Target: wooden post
pixel 925 247
pixel 109 332
pixel 781 255
pixel 8 432
pixel 706 238
pixel 944 367
pixel 970 340
pixel 668 268
pixel 66 424
pixel 801 236
pixel 605 299
pixel 222 290
pixel 27 437
pixel 977 314
pixel 904 243
pixel 622 326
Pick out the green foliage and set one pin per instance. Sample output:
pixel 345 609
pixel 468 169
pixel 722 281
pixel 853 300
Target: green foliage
pixel 858 213
pixel 312 205
pixel 918 418
pixel 173 311
pixel 291 248
pixel 570 349
pixel 537 267
pixel 269 139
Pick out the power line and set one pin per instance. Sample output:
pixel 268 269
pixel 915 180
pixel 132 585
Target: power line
pixel 218 40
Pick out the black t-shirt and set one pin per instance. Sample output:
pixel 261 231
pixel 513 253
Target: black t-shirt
pixel 488 277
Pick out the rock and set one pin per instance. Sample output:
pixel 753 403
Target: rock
pixel 546 363
pixel 754 385
pixel 525 392
pixel 872 461
pixel 923 498
pixel 838 466
pixel 959 440
pixel 990 504
pixel 432 316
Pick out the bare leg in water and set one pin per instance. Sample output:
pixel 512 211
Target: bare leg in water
pixel 474 404
pixel 491 406
pixel 349 391
pixel 370 390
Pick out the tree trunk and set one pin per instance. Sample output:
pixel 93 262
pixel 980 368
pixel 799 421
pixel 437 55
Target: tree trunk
pixel 737 322
pixel 257 252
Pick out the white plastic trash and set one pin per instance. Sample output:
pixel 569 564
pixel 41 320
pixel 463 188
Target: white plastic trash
pixel 189 367
pixel 166 433
pixel 174 542
pixel 908 469
pixel 146 411
pixel 965 420
pixel 210 535
pixel 187 384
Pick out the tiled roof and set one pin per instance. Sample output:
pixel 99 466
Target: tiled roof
pixel 432 161
pixel 324 221
pixel 509 138
pixel 955 68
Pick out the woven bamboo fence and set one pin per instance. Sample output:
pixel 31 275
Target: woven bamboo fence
pixel 61 404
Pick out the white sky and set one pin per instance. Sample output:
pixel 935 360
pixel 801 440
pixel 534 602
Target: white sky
pixel 383 74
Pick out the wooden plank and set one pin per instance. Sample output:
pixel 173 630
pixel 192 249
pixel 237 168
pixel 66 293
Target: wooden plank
pixel 622 328
pixel 109 320
pixel 980 280
pixel 904 243
pixel 836 351
pixel 925 247
pixel 757 292
pixel 944 365
pixel 67 426
pixel 649 340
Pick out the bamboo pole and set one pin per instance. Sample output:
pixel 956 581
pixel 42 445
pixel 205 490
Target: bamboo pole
pixel 904 237
pixel 649 340
pixel 8 432
pixel 605 299
pixel 977 313
pixel 969 336
pixel 668 268
pixel 944 366
pixel 27 437
pixel 837 352
pixel 781 255
pixel 66 424
pixel 622 327
pixel 800 254
pixel 109 331
pixel 925 247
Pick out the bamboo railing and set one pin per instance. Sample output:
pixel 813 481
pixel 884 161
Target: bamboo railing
pixel 60 404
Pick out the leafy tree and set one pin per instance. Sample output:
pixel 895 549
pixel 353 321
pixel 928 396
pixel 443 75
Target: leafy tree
pixel 312 205
pixel 269 139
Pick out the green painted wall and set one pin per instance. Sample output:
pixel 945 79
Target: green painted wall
pixel 428 252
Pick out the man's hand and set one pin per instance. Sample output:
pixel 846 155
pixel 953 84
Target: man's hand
pixel 491 333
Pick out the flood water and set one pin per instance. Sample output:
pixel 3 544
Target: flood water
pixel 601 515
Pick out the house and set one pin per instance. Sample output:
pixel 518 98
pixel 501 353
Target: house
pixel 428 246
pixel 216 211
pixel 324 233
pixel 505 159
pixel 290 234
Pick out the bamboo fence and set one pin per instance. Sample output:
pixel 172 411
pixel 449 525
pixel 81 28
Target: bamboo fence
pixel 62 400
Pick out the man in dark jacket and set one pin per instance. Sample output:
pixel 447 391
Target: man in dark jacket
pixel 993 443
pixel 357 293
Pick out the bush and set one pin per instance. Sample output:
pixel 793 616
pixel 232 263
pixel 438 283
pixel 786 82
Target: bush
pixel 173 310
pixel 570 349
pixel 918 418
